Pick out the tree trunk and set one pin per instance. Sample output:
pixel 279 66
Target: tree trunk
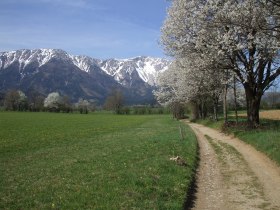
pixel 200 110
pixel 225 104
pixel 215 112
pixel 235 99
pixel 203 109
pixel 199 106
pixel 253 107
pixel 215 107
pixel 195 110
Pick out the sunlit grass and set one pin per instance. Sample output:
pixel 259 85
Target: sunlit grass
pixel 95 161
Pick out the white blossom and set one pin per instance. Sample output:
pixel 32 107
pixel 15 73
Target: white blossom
pixel 53 100
pixel 207 38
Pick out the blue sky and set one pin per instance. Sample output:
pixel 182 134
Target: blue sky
pixel 97 28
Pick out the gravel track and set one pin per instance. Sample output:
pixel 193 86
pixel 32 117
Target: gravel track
pixel 233 175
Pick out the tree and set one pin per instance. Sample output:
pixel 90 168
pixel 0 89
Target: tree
pixel 22 101
pixel 15 100
pixel 2 98
pixel 178 110
pixel 115 101
pixel 242 37
pixel 11 101
pixel 65 105
pixel 53 102
pixel 83 106
pixel 183 83
pixel 35 101
pixel 168 87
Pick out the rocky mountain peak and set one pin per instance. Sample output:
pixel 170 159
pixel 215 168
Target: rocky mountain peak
pixel 25 57
pixel 82 76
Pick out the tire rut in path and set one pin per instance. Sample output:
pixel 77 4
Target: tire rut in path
pixel 209 180
pixel 233 175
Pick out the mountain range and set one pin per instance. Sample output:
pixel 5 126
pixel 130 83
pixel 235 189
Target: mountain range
pixel 54 70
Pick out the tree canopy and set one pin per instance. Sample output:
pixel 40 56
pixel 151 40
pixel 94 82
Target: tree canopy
pixel 214 39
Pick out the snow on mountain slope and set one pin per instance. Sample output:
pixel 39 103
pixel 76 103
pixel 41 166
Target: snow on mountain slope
pixel 84 63
pixel 124 71
pixel 147 68
pixel 25 57
pixel 151 68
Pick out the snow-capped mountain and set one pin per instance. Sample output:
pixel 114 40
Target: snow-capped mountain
pixel 47 70
pixel 85 63
pixel 147 69
pixel 25 57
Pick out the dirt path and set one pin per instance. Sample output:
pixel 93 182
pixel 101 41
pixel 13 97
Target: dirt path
pixel 233 175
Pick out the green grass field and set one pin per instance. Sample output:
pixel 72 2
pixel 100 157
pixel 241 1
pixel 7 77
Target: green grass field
pixel 265 139
pixel 95 161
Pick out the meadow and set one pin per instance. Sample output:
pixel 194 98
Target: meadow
pixel 94 161
pixel 266 138
pixel 267 114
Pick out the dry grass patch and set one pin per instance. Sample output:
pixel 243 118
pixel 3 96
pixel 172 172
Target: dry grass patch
pixel 268 114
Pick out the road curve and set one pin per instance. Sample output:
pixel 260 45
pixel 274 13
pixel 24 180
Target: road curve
pixel 233 175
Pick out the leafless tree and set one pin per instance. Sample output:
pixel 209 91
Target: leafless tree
pixel 115 101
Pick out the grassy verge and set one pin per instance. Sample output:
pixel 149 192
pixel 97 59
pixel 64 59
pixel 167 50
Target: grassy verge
pixel 265 139
pixel 95 161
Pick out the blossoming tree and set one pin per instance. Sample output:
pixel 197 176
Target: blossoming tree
pixel 53 101
pixel 239 36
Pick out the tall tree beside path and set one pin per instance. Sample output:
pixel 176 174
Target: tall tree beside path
pixel 242 37
pixel 190 80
